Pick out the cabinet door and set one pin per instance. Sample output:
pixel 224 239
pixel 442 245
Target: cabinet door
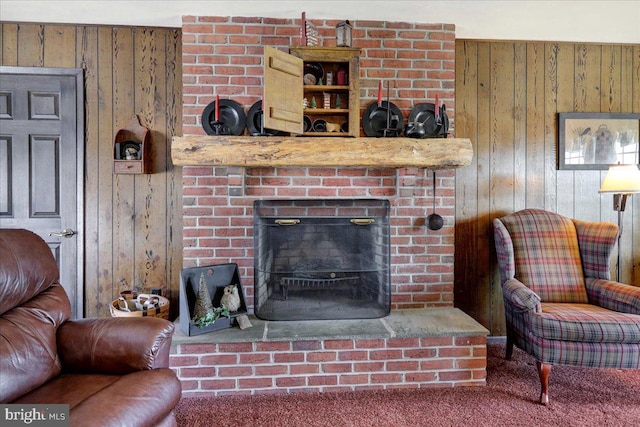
pixel 283 94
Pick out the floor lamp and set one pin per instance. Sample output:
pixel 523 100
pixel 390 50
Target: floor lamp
pixel 622 181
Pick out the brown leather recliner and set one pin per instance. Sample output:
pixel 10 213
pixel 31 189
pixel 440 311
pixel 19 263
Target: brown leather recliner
pixel 110 371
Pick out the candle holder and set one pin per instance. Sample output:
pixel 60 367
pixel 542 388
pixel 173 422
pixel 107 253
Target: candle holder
pixel 218 128
pixel 391 131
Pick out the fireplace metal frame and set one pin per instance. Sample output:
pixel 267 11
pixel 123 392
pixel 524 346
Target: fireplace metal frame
pixel 357 285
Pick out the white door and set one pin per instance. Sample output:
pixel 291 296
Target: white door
pixel 41 163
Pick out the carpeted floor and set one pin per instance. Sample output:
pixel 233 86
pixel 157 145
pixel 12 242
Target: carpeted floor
pixel 579 397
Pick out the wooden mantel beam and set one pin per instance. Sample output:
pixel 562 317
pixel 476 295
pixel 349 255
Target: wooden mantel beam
pixel 289 151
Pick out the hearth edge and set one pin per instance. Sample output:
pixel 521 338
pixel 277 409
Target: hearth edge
pixel 414 323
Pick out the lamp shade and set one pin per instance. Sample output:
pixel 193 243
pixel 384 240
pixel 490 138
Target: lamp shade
pixel 621 179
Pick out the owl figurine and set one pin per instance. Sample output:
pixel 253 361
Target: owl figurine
pixel 231 299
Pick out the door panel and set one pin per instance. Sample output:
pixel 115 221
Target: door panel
pixel 44 164
pixel 41 140
pixel 6 205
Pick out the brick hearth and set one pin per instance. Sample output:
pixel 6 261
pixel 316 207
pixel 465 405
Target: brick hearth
pixel 436 347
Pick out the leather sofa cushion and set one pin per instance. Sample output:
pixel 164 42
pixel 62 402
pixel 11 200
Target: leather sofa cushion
pixel 26 269
pixel 28 350
pixel 143 398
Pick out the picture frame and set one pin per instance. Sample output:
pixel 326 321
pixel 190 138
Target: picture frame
pixel 595 141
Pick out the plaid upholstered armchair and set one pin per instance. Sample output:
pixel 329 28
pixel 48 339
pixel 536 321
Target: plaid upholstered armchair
pixel 560 305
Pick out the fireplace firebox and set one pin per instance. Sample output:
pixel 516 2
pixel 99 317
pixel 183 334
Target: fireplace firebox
pixel 321 259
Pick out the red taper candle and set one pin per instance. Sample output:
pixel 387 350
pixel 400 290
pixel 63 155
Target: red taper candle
pixel 217 116
pixel 380 93
pixel 437 106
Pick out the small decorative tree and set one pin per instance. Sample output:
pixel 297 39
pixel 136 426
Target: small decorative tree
pixel 204 314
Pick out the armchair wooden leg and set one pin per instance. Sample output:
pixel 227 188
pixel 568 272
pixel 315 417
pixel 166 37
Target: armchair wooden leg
pixel 544 369
pixel 509 347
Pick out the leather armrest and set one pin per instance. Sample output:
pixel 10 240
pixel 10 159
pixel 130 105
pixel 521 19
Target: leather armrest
pixel 614 295
pixel 114 345
pixel 520 297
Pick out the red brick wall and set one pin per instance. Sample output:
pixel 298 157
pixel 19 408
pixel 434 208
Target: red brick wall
pixel 330 365
pixel 223 55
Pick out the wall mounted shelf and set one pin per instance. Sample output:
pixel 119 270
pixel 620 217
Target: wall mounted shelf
pixel 131 149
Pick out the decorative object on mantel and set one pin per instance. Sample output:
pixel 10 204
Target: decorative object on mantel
pixel 427 121
pixel 255 122
pixel 289 151
pixel 380 121
pixel 308 32
pixel 131 150
pixel 343 34
pixel 622 181
pixel 224 117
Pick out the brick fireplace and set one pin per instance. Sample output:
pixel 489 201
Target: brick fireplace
pixel 223 56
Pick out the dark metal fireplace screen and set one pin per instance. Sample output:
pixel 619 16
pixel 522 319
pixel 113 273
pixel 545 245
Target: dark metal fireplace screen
pixel 321 259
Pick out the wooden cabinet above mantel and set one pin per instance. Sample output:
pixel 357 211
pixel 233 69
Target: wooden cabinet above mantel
pixel 288 151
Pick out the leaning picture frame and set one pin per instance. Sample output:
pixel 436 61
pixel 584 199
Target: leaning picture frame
pixel 598 140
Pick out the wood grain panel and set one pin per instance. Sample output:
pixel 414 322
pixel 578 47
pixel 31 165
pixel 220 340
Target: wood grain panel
pixel 588 84
pixel 124 186
pixel 534 139
pixel 562 72
pixel 173 176
pixel 127 70
pixel 105 278
pixel 150 96
pixel 633 64
pixel 483 174
pixel 87 58
pixel 9 42
pixel 502 159
pixel 509 96
pixel 520 126
pixel 59 35
pixel 466 186
pixel 30 45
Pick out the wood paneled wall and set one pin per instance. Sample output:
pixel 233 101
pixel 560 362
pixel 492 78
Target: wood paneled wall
pixel 133 223
pixel 508 95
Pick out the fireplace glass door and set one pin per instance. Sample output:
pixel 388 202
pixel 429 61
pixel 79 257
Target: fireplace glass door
pixel 321 259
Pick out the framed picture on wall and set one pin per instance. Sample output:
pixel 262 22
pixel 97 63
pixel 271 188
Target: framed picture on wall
pixel 598 140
